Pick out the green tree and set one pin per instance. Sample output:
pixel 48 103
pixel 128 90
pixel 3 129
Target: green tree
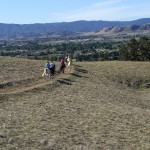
pixel 136 50
pixel 144 48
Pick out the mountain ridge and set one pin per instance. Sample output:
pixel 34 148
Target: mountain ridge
pixel 121 30
pixel 76 26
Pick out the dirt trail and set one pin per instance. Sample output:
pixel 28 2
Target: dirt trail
pixel 36 84
pixel 85 110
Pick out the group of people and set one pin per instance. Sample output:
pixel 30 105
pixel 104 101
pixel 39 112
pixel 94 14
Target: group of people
pixel 50 66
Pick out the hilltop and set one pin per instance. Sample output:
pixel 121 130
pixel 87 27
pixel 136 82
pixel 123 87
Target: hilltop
pixel 100 105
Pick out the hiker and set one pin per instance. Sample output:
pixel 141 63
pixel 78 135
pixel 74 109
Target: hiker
pixel 47 66
pixel 62 66
pixel 66 57
pixel 52 68
pixel 46 70
pixel 69 62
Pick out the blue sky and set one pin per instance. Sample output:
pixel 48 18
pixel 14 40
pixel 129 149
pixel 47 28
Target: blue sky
pixel 48 11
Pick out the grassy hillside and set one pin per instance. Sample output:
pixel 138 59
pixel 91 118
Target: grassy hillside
pixel 131 74
pixel 19 69
pixel 88 108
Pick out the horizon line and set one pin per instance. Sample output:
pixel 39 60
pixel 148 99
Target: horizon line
pixel 76 21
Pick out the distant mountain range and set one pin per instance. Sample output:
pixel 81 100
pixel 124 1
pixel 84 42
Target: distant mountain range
pixel 69 27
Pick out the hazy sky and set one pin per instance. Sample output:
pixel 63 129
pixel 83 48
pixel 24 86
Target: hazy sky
pixel 47 11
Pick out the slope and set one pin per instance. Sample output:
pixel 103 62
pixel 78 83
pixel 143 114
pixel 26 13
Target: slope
pixel 89 109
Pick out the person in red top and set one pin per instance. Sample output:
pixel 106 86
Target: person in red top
pixel 62 66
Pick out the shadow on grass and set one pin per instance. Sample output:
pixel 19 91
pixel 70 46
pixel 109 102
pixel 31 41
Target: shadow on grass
pixel 81 70
pixel 76 75
pixel 65 81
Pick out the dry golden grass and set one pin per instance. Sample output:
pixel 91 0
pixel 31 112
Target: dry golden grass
pixel 132 74
pixel 16 71
pixel 85 110
pixel 19 69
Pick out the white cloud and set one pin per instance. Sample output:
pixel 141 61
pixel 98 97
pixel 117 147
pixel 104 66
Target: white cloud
pixel 106 3
pixel 93 12
pixel 106 10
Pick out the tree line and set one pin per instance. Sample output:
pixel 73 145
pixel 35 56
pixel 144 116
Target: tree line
pixel 30 47
pixel 136 50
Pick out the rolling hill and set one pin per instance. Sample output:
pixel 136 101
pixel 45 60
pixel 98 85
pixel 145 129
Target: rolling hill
pixel 97 106
pixel 77 26
pixel 121 30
